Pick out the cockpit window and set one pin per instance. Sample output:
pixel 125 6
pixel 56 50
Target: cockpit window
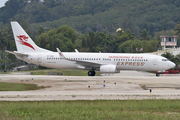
pixel 165 60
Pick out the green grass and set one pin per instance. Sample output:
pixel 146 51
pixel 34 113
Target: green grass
pixel 18 86
pixel 1 72
pixel 61 72
pixel 77 73
pixel 92 110
pixel 42 72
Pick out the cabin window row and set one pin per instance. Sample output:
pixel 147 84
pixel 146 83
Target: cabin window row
pixel 75 58
pixel 53 58
pixel 100 59
pixel 130 60
pixel 84 58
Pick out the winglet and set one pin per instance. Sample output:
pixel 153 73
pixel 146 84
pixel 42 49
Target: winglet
pixel 60 53
pixel 76 51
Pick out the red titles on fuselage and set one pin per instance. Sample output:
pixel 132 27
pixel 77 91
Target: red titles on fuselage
pixel 127 57
pixel 130 63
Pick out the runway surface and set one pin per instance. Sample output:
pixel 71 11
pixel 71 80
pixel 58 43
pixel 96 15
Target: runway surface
pixel 124 86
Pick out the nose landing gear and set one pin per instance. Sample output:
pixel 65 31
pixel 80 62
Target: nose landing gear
pixel 91 73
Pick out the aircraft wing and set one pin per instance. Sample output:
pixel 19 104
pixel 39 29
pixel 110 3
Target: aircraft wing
pixel 88 64
pixel 81 63
pixel 16 53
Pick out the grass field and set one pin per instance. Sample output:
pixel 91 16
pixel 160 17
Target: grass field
pixel 1 72
pixel 18 86
pixel 92 110
pixel 60 72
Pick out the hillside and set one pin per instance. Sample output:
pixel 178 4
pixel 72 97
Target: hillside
pixel 95 15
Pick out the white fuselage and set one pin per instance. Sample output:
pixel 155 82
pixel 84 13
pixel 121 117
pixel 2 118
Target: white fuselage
pixel 123 61
pixel 28 51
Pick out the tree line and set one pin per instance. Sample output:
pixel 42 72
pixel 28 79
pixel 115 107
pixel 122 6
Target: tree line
pixel 67 39
pixel 95 15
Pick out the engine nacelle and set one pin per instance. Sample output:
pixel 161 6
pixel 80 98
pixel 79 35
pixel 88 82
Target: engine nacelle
pixel 108 69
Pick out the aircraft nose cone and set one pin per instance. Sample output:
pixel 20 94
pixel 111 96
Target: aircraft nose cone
pixel 172 65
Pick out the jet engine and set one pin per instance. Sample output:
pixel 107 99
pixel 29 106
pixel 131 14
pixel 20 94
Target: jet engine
pixel 108 69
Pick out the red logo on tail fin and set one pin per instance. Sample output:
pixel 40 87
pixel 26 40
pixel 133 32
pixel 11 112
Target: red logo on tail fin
pixel 23 40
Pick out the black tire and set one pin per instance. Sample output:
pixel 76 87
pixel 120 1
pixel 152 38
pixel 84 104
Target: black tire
pixel 157 74
pixel 91 73
pixel 94 73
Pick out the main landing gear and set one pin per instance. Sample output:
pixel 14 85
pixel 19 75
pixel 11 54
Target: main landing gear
pixel 157 74
pixel 91 73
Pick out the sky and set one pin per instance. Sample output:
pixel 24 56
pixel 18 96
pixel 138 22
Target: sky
pixel 2 2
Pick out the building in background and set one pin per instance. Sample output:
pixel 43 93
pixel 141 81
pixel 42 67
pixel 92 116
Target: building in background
pixel 168 42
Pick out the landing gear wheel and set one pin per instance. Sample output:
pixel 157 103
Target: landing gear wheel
pixel 91 73
pixel 157 74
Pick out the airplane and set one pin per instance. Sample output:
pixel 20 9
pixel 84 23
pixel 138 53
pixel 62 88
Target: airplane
pixel 29 52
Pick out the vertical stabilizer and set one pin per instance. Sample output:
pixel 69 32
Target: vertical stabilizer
pixel 23 42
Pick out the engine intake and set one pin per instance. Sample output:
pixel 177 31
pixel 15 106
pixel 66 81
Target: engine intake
pixel 108 69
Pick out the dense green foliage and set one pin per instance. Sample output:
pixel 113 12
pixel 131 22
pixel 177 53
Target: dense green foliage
pixel 92 110
pixel 67 39
pixel 177 29
pixel 95 15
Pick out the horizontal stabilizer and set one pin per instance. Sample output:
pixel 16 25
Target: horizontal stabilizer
pixel 16 53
